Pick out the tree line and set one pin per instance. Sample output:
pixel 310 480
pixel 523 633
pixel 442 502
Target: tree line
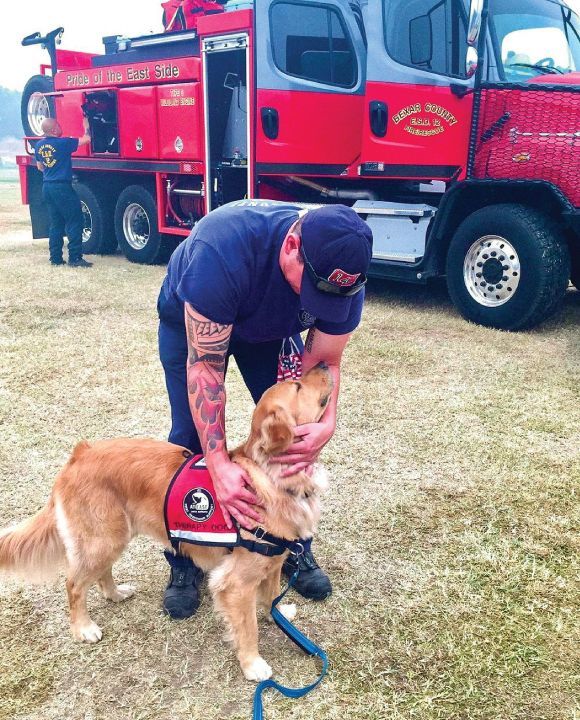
pixel 10 123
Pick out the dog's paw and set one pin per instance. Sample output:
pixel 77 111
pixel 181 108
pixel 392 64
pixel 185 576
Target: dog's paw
pixel 288 610
pixel 90 633
pixel 257 670
pixel 123 592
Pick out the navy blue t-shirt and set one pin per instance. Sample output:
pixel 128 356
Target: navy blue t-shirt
pixel 228 269
pixel 55 155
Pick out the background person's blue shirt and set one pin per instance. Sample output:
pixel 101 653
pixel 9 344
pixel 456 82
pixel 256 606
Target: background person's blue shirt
pixel 228 269
pixel 54 153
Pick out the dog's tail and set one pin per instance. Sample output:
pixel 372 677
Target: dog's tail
pixel 33 549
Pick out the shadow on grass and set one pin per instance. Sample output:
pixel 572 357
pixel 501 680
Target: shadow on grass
pixel 434 296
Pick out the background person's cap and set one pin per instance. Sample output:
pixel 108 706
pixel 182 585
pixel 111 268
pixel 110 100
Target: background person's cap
pixel 338 245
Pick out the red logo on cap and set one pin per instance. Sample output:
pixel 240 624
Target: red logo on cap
pixel 342 278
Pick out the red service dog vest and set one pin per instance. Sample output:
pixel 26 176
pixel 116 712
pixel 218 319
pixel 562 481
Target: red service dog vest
pixel 192 512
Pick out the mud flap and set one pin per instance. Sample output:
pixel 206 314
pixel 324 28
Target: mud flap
pixel 38 209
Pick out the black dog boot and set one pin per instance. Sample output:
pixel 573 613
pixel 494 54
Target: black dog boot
pixel 181 598
pixel 312 582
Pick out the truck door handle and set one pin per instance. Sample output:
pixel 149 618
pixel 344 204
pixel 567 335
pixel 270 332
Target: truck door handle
pixel 270 122
pixel 378 115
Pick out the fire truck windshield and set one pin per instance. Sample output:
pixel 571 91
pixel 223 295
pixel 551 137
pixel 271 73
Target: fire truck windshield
pixel 534 37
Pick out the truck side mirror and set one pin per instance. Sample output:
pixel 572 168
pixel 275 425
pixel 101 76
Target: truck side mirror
pixel 421 40
pixel 471 61
pixel 473 30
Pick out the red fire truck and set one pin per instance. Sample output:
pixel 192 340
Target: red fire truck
pixel 452 127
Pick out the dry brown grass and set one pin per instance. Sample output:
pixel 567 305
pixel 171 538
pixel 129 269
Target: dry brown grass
pixel 13 215
pixel 449 530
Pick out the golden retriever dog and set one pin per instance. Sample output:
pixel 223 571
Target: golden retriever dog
pixel 113 490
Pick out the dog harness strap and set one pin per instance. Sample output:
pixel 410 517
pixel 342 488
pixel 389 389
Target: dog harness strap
pixel 303 642
pixel 296 547
pixel 261 548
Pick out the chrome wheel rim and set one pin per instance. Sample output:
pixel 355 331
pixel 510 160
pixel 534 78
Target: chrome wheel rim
pixel 491 271
pixel 136 226
pixel 37 111
pixel 87 222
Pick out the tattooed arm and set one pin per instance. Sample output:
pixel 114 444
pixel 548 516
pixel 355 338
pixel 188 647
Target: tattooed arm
pixel 207 345
pixel 312 437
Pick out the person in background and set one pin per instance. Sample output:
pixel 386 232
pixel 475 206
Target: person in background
pixel 53 158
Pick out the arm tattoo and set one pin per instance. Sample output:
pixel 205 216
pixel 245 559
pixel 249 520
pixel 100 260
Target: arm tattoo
pixel 207 400
pixel 207 344
pixel 310 339
pixel 207 341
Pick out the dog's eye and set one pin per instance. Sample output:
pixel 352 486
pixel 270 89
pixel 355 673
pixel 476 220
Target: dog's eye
pixel 324 401
pixel 298 386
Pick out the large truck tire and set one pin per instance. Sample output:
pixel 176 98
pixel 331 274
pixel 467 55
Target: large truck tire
pixel 98 229
pixel 507 267
pixel 136 227
pixel 35 106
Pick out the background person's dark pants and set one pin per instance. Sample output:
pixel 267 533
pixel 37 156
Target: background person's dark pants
pixel 257 362
pixel 65 215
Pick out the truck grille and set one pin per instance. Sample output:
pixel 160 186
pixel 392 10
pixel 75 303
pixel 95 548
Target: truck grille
pixel 528 133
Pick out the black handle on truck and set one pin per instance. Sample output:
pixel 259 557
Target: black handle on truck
pixel 270 122
pixel 378 115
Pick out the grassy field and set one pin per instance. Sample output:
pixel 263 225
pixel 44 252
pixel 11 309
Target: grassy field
pixel 450 529
pixel 13 215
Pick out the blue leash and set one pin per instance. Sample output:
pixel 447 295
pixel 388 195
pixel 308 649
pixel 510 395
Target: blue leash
pixel 303 642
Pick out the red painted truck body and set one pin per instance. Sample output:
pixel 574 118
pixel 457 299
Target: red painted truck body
pixel 258 102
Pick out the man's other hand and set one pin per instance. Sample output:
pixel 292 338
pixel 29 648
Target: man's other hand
pixel 309 439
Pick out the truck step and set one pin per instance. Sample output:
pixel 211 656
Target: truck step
pixel 397 257
pixel 399 229
pixel 382 207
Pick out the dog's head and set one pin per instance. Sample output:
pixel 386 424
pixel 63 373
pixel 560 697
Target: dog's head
pixel 287 404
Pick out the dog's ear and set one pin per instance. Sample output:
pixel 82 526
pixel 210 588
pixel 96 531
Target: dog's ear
pixel 276 432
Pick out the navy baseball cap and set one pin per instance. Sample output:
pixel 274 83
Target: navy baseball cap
pixel 336 248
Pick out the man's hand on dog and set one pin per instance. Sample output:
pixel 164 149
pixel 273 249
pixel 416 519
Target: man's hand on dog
pixel 236 501
pixel 309 439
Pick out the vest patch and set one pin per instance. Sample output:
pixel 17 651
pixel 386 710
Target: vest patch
pixel 192 512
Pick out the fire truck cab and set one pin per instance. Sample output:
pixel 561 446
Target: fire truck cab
pixel 452 127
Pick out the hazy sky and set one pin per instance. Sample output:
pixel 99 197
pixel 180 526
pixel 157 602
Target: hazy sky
pixel 85 24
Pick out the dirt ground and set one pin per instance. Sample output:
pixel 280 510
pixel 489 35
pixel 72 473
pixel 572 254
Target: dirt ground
pixel 449 531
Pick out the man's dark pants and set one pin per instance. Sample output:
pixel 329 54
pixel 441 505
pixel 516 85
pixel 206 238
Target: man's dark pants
pixel 257 362
pixel 65 215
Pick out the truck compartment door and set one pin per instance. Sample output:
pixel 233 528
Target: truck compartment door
pixel 138 122
pixel 70 116
pixel 180 128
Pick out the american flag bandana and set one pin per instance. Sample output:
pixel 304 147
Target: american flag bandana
pixel 289 361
